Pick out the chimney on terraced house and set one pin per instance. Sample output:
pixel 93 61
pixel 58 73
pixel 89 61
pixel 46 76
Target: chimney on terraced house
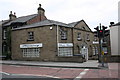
pixel 12 16
pixel 41 13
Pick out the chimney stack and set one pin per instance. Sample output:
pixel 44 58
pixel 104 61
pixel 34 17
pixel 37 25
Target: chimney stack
pixel 41 11
pixel 12 16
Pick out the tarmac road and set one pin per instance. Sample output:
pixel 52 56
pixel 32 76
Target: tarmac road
pixel 17 72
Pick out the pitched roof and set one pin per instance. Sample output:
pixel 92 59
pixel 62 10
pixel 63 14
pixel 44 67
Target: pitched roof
pixel 4 21
pixel 50 22
pixel 73 24
pixel 117 24
pixel 44 23
pixel 22 19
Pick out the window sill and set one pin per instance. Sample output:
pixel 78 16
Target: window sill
pixel 88 39
pixel 79 39
pixel 30 40
pixel 63 39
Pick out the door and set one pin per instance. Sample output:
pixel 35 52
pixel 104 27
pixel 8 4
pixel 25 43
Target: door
pixel 85 52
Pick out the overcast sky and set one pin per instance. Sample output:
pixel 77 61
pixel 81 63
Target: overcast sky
pixel 67 11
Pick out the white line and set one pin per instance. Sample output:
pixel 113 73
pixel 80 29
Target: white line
pixel 35 75
pixel 81 74
pixel 15 66
pixel 5 73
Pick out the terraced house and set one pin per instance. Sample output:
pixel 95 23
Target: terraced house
pixel 34 37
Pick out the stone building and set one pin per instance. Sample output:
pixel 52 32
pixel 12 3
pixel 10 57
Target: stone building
pixel 14 22
pixel 34 37
pixel 50 40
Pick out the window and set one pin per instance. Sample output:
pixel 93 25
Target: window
pixel 30 52
pixel 63 35
pixel 95 38
pixel 95 50
pixel 4 48
pixel 87 37
pixel 4 34
pixel 65 52
pixel 105 50
pixel 83 28
pixel 30 36
pixel 79 36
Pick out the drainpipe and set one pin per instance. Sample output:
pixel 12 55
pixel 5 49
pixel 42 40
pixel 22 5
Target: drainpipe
pixel 73 40
pixel 57 40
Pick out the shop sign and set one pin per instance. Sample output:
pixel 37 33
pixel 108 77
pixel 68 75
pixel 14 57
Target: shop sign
pixel 95 42
pixel 31 45
pixel 65 44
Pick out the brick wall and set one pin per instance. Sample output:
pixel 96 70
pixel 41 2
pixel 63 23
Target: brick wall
pixel 36 19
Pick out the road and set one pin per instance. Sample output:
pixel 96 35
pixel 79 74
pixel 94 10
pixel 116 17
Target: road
pixel 48 73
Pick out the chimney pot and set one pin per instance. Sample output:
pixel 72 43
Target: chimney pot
pixel 10 12
pixel 111 23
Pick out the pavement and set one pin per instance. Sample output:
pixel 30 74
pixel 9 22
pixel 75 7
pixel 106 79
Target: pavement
pixel 92 64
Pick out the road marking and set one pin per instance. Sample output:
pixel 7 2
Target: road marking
pixel 35 75
pixel 15 66
pixel 81 74
pixel 5 73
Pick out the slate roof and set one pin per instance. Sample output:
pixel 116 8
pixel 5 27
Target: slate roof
pixel 73 24
pixel 22 19
pixel 4 21
pixel 118 24
pixel 44 23
pixel 48 23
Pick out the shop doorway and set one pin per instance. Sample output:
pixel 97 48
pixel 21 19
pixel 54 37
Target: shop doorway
pixel 84 52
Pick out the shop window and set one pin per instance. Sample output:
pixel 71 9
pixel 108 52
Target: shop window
pixel 30 36
pixel 4 48
pixel 105 50
pixel 95 50
pixel 65 52
pixel 30 52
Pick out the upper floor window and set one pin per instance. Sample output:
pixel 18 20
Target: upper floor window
pixel 87 37
pixel 83 28
pixel 95 38
pixel 79 36
pixel 63 35
pixel 30 36
pixel 4 34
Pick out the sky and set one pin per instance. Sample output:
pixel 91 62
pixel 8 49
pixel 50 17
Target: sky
pixel 93 12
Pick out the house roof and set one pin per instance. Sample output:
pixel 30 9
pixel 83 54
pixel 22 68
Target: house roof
pixel 43 23
pixel 50 22
pixel 22 19
pixel 73 24
pixel 4 21
pixel 118 24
